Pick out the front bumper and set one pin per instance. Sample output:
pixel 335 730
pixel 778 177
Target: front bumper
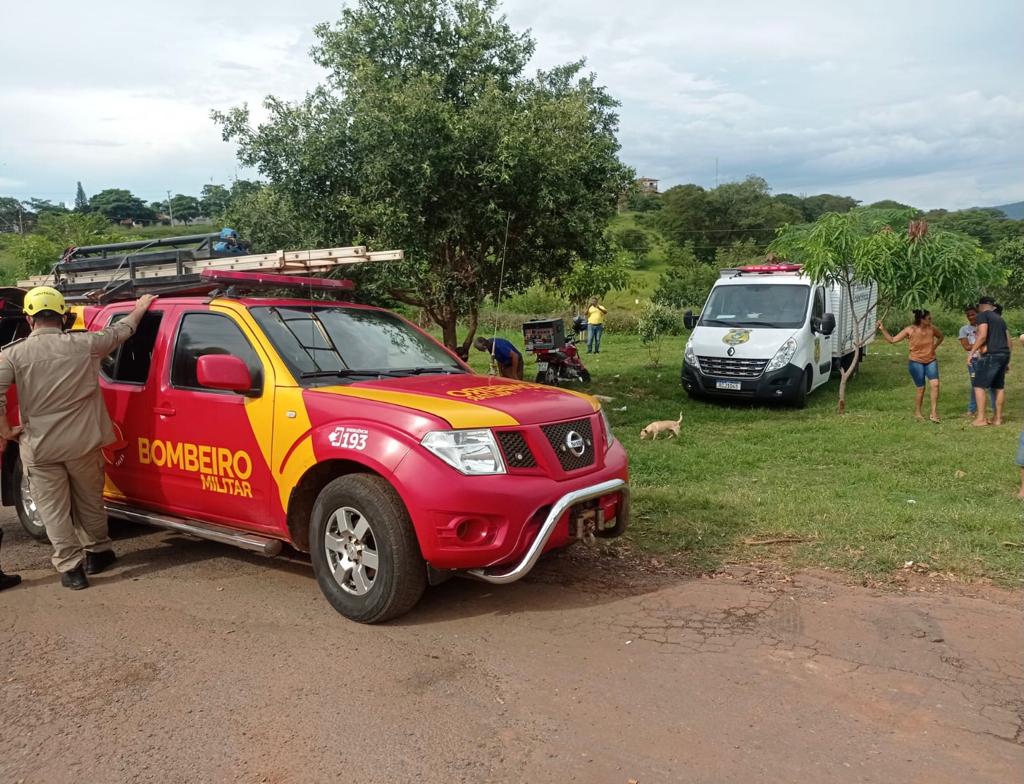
pixel 781 384
pixel 564 504
pixel 476 523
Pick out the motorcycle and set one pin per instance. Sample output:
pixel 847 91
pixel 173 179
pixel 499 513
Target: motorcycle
pixel 558 359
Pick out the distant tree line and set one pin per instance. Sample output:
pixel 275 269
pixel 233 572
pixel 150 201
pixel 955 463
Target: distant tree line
pixel 707 229
pixel 119 205
pixel 35 232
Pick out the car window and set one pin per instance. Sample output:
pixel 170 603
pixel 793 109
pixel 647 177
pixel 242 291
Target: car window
pixel 210 333
pixel 129 363
pixel 819 303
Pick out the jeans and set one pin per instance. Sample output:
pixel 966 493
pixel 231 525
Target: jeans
pixel 972 403
pixel 594 338
pixel 919 371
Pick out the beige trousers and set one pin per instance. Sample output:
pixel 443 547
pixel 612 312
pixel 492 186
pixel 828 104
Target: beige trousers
pixel 69 497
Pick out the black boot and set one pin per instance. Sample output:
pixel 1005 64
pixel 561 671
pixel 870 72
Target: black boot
pixel 97 562
pixel 7 580
pixel 75 579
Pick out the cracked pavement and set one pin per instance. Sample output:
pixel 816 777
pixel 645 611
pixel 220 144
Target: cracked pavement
pixel 192 661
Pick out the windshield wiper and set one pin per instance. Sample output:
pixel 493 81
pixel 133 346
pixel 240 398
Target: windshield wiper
pixel 343 373
pixel 716 321
pixel 758 324
pixel 421 370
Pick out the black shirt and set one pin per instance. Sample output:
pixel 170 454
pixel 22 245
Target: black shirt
pixel 997 341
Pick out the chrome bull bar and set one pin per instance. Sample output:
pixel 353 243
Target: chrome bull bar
pixel 567 501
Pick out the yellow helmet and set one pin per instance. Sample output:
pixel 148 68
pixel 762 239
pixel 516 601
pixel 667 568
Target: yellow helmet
pixel 44 298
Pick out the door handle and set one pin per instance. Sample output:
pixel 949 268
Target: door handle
pixel 164 411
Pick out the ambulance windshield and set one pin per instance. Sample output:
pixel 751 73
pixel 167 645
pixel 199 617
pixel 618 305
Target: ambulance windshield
pixel 771 305
pixel 333 342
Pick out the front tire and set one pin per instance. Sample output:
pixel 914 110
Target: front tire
pixel 28 513
pixel 800 398
pixel 364 550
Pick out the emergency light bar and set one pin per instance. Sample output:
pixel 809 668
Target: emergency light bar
pixel 768 268
pixel 759 269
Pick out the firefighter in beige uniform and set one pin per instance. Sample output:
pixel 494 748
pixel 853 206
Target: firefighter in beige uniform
pixel 64 424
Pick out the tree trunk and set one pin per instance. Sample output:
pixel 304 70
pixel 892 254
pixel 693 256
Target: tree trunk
pixel 845 376
pixel 471 327
pixel 449 329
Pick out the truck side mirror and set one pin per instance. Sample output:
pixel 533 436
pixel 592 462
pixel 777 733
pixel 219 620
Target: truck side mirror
pixel 224 372
pixel 689 320
pixel 828 324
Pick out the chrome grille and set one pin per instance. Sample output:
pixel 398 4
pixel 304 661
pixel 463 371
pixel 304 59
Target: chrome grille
pixel 517 453
pixel 732 367
pixel 557 435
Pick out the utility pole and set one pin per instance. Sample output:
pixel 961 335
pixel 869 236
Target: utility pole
pixel 170 209
pixel 21 220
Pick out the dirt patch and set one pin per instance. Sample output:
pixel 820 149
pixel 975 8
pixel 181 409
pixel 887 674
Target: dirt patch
pixel 191 661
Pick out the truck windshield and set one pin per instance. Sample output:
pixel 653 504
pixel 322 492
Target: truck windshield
pixel 756 305
pixel 329 342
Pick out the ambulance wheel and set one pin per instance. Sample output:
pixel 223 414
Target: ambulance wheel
pixel 800 398
pixel 364 550
pixel 28 513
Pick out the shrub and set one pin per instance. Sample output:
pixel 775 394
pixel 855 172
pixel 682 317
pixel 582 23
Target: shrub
pixel 656 321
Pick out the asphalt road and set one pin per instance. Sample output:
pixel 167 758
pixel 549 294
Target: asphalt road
pixel 195 662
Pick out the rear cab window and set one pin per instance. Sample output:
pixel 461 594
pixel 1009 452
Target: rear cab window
pixel 130 362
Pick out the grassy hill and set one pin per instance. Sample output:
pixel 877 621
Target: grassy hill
pixel 1014 211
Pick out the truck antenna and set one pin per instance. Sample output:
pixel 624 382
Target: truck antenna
pixel 501 283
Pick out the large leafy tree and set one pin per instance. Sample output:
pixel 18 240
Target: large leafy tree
pixel 428 135
pixel 214 200
pixel 11 214
pixel 913 265
pixel 1009 255
pixel 118 204
pixel 734 211
pixel 185 208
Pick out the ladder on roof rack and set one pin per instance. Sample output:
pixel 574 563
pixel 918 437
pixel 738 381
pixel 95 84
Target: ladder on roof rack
pixel 106 272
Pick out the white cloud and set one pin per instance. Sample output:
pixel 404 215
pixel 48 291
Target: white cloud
pixel 873 99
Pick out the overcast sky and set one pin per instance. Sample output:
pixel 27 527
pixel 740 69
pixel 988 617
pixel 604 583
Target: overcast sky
pixel 920 102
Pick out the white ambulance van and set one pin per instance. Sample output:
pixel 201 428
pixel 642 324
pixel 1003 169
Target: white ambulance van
pixel 768 332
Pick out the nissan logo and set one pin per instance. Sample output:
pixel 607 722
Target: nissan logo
pixel 574 443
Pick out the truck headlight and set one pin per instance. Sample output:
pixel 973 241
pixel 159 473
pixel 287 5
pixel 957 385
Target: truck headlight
pixel 690 356
pixel 471 452
pixel 782 356
pixel 608 437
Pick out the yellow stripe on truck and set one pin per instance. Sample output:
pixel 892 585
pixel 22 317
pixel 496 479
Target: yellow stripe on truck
pixel 460 415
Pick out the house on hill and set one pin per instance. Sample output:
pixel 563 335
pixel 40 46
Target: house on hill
pixel 647 185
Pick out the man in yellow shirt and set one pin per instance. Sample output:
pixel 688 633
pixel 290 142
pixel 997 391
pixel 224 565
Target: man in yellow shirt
pixel 595 325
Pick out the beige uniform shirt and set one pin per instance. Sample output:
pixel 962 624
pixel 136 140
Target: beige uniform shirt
pixel 57 375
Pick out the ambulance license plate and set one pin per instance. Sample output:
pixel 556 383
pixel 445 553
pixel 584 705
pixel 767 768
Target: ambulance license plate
pixel 734 386
pixel 542 366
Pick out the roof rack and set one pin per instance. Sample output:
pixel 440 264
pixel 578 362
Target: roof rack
pixel 188 264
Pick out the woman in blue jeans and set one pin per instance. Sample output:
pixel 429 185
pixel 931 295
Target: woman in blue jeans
pixel 923 364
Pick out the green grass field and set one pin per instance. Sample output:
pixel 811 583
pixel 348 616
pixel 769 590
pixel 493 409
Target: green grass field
pixel 869 491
